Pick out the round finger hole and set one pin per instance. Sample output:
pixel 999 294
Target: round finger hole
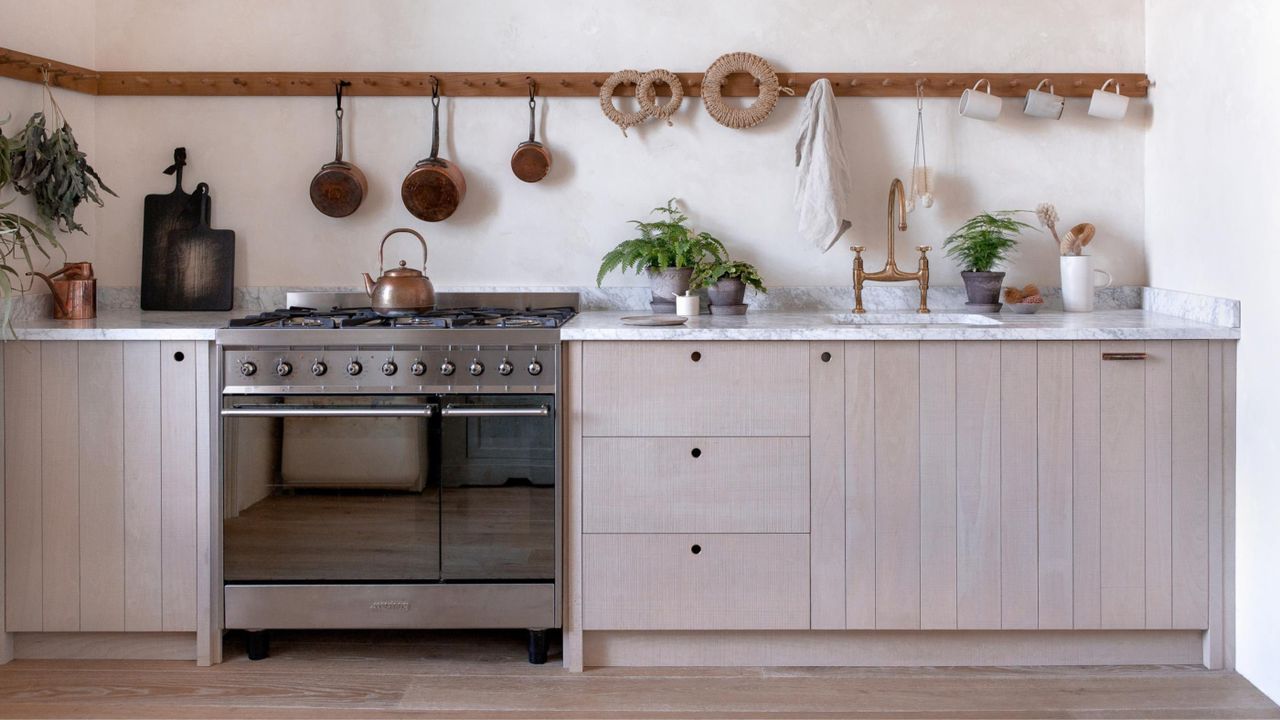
pixel 826 357
pixel 696 356
pixel 695 549
pixel 696 452
pixel 179 356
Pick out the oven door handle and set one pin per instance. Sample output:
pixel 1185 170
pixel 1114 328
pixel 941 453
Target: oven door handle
pixel 496 411
pixel 287 411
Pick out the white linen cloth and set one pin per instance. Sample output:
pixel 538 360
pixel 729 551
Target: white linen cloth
pixel 823 185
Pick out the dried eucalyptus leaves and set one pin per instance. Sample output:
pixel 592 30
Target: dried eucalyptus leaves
pixel 51 168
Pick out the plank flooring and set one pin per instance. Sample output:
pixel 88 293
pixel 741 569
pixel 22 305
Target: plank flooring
pixel 471 675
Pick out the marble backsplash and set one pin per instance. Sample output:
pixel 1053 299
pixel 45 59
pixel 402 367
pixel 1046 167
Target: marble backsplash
pixel 880 298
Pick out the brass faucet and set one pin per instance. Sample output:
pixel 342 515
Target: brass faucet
pixel 891 273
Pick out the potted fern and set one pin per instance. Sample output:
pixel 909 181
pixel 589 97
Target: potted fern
pixel 979 246
pixel 726 282
pixel 667 250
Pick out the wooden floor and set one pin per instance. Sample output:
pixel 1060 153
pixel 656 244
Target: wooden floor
pixel 428 675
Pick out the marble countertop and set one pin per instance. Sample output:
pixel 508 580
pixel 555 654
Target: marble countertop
pixel 941 325
pixel 120 324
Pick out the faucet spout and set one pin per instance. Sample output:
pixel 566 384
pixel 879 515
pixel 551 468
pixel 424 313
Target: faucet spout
pixel 891 273
pixel 896 192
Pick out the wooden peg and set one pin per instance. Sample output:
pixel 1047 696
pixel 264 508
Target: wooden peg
pixel 564 82
pixel 239 81
pixel 855 83
pixel 142 81
pixel 175 82
pixel 886 82
pixel 1078 82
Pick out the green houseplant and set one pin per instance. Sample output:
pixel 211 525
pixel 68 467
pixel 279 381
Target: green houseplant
pixel 984 242
pixel 19 236
pixel 726 282
pixel 667 249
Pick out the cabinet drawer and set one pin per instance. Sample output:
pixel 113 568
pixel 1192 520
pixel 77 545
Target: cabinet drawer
pixel 712 485
pixel 726 388
pixel 731 582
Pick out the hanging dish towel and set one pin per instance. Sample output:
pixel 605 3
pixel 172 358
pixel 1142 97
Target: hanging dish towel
pixel 823 185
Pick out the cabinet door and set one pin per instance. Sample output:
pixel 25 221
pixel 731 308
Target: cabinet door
pixel 726 388
pixel 1031 485
pixel 100 485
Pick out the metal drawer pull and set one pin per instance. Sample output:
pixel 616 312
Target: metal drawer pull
pixel 495 411
pixel 284 411
pixel 1124 356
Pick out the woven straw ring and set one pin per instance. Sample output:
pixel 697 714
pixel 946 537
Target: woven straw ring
pixel 645 94
pixel 740 62
pixel 619 118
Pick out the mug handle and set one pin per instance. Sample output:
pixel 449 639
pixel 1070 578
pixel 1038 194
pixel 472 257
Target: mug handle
pixel 1111 81
pixel 979 84
pixel 1107 284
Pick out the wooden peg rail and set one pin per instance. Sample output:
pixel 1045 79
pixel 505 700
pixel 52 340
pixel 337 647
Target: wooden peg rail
pixel 22 66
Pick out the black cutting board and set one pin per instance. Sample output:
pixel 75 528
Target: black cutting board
pixel 203 262
pixel 161 215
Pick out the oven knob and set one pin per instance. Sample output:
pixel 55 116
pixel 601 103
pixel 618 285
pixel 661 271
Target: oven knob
pixel 354 367
pixel 505 367
pixel 248 368
pixel 477 368
pixel 318 368
pixel 417 368
pixel 389 368
pixel 283 368
pixel 447 367
pixel 535 367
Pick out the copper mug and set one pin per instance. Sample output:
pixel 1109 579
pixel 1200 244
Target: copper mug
pixel 74 291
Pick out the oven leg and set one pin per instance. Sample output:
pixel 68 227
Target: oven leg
pixel 259 644
pixel 537 647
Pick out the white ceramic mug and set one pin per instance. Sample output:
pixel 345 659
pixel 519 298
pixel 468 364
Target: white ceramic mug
pixel 1109 105
pixel 687 305
pixel 1044 104
pixel 1079 280
pixel 980 105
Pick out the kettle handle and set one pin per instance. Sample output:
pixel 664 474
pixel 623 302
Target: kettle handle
pixel 412 232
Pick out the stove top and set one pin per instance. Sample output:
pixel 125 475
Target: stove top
pixel 363 317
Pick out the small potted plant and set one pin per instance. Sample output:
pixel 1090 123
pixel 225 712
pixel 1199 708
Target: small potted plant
pixel 667 250
pixel 726 283
pixel 978 246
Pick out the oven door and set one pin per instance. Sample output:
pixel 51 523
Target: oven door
pixel 498 488
pixel 325 489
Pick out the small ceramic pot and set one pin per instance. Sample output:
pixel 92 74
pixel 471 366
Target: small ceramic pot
pixel 668 283
pixel 727 291
pixel 983 289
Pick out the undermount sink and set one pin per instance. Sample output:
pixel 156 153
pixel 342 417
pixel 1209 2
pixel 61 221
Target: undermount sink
pixel 909 318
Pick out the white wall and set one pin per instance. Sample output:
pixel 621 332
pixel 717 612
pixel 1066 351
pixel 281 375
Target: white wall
pixel 259 154
pixel 1212 217
pixel 24 27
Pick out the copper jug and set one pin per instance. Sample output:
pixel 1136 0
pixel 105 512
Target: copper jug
pixel 74 291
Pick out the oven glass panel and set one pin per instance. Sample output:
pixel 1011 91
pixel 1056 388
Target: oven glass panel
pixel 497 477
pixel 342 498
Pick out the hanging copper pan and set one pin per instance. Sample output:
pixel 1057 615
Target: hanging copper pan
pixel 435 187
pixel 531 161
pixel 339 188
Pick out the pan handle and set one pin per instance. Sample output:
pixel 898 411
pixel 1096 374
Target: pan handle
pixel 435 118
pixel 412 232
pixel 533 88
pixel 337 153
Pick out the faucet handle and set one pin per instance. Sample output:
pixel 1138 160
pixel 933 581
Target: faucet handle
pixel 924 248
pixel 858 249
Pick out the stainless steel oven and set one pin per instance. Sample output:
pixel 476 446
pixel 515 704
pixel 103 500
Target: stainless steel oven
pixel 406 481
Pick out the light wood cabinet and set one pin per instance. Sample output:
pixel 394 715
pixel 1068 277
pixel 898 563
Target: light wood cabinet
pixel 1031 485
pixel 103 452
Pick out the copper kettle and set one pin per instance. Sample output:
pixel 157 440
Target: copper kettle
pixel 74 291
pixel 402 290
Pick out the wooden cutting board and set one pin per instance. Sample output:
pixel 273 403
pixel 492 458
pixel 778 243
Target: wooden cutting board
pixel 161 215
pixel 202 263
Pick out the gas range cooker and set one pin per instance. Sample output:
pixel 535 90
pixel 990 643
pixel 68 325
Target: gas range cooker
pixel 327 343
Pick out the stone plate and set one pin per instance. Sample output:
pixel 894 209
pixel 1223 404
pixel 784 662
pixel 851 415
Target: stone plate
pixel 654 320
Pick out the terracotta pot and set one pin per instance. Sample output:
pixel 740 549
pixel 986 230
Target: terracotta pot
pixel 983 288
pixel 727 291
pixel 665 284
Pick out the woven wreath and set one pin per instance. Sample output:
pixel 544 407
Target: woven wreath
pixel 623 120
pixel 741 62
pixel 645 94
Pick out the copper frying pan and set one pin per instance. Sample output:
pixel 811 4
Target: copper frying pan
pixel 339 188
pixel 435 187
pixel 531 161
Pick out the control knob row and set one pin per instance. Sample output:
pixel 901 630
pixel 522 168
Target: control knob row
pixel 318 368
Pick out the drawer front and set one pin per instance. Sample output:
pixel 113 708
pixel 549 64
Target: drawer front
pixel 732 582
pixel 683 485
pixel 725 388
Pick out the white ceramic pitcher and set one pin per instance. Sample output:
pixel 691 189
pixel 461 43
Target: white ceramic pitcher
pixel 1079 280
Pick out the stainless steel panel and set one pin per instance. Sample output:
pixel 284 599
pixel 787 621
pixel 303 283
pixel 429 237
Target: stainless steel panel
pixel 253 607
pixel 284 411
pixel 494 411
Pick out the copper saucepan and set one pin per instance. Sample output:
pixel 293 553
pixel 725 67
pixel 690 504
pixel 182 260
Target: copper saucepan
pixel 531 161
pixel 339 188
pixel 435 187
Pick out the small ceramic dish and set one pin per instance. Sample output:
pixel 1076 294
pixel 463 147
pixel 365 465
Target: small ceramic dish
pixel 1025 308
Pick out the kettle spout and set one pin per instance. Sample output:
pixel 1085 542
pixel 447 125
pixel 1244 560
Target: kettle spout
pixel 368 284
